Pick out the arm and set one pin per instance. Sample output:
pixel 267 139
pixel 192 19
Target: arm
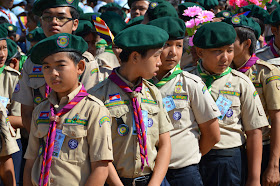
pixel 27 172
pixel 16 121
pixel 210 135
pixel 162 160
pixel 113 177
pixel 26 113
pixel 7 172
pixel 99 173
pixel 271 174
pixel 254 156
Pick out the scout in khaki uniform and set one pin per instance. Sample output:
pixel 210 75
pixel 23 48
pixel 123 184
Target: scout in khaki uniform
pixel 271 50
pixel 190 108
pixel 57 16
pixel 8 147
pixel 266 78
pixel 70 140
pixel 140 125
pixel 240 106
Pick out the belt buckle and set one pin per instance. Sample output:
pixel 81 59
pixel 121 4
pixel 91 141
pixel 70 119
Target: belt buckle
pixel 138 179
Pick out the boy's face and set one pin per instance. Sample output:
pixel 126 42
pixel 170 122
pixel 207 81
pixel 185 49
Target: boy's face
pixel 3 52
pixel 31 25
pixel 238 48
pixel 61 73
pixel 148 66
pixel 216 60
pixel 91 40
pixel 139 8
pixel 56 26
pixel 171 54
pixel 7 3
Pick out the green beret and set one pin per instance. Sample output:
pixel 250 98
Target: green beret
pixel 84 28
pixel 243 21
pixel 114 21
pixel 130 2
pixel 88 16
pixel 161 9
pixel 198 2
pixel 224 13
pixel 36 35
pixel 210 4
pixel 62 42
pixel 10 27
pixel 40 5
pixel 135 21
pixel 272 5
pixel 255 11
pixel 175 27
pixel 186 5
pixel 3 33
pixel 109 5
pixel 12 49
pixel 274 17
pixel 214 35
pixel 141 37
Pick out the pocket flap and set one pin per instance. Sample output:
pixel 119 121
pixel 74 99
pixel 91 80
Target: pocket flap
pixel 152 109
pixel 42 130
pixel 118 111
pixel 180 104
pixel 74 131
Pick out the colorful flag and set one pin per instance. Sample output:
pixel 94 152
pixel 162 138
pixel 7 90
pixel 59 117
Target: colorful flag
pixel 242 13
pixel 102 29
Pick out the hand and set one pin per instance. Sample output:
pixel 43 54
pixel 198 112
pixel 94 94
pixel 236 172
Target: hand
pixel 271 176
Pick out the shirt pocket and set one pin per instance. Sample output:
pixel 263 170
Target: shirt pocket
pixel 232 116
pixel 153 118
pixel 42 131
pixel 75 144
pixel 180 113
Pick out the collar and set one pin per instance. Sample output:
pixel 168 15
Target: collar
pixel 156 80
pixel 131 85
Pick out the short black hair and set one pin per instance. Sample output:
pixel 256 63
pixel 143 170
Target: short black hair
pixel 124 55
pixel 261 23
pixel 74 13
pixel 244 34
pixel 75 57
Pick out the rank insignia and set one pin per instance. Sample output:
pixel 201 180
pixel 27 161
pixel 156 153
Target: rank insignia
pixel 76 117
pixel 63 41
pixel 228 84
pixel 178 87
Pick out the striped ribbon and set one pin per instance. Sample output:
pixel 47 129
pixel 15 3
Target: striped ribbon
pixel 270 44
pixel 163 81
pixel 210 78
pixel 253 59
pixel 102 29
pixel 139 122
pixel 47 158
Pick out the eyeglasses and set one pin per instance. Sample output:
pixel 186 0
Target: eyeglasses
pixel 59 19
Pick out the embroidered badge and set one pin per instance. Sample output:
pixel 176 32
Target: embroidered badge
pixel 177 116
pixel 143 100
pixel 115 97
pixel 73 143
pixel 44 115
pixel 93 71
pixel 204 89
pixel 178 87
pixel 37 100
pixel 10 28
pixel 255 72
pixel 76 117
pixel 123 129
pixel 255 93
pixel 229 113
pixel 17 88
pixel 62 41
pixel 235 20
pixel 257 85
pixel 116 103
pixel 104 119
pixel 69 1
pixel 7 121
pixel 36 75
pixel 40 152
pixel 231 93
pixel 226 14
pixel 228 84
pixel 36 72
pixel 153 5
pixel 150 122
pixel 253 78
pixel 37 69
pixel 180 97
pixel 76 121
pixel 30 35
pixel 272 78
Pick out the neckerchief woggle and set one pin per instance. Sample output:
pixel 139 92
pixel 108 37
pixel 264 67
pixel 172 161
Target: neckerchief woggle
pixel 163 81
pixel 270 44
pixel 253 59
pixel 47 158
pixel 139 122
pixel 210 78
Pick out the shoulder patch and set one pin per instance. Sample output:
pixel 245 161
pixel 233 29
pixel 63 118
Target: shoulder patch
pixel 272 78
pixel 12 70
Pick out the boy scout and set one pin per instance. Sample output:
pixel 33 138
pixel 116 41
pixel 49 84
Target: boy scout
pixel 70 138
pixel 8 147
pixel 57 16
pixel 265 78
pixel 140 125
pixel 240 107
pixel 190 108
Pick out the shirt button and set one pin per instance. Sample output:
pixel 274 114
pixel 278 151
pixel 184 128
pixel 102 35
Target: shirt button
pixel 51 180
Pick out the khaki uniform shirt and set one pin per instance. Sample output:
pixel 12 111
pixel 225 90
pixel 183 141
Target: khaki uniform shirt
pixel 265 53
pixel 127 159
pixel 32 82
pixel 265 78
pixel 9 144
pixel 87 124
pixel 194 107
pixel 247 111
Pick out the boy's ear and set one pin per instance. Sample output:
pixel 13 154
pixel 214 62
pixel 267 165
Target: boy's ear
pixel 199 52
pixel 274 30
pixel 248 43
pixel 134 57
pixel 81 67
pixel 14 63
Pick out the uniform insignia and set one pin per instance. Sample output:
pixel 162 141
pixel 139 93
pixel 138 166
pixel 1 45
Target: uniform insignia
pixel 115 97
pixel 37 69
pixel 143 100
pixel 228 84
pixel 229 113
pixel 93 71
pixel 76 117
pixel 180 97
pixel 43 118
pixel 69 1
pixel 76 121
pixel 178 87
pixel 116 103
pixel 150 122
pixel 17 88
pixel 255 93
pixel 235 20
pixel 231 93
pixel 258 85
pixel 226 14
pixel 37 100
pixel 73 143
pixel 272 78
pixel 103 120
pixel 10 28
pixel 123 129
pixel 153 5
pixel 255 72
pixel 40 152
pixel 204 89
pixel 7 121
pixel 30 36
pixel 177 116
pixel 253 78
pixel 63 41
pixel 44 115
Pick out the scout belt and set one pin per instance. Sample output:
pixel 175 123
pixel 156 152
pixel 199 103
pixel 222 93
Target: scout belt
pixel 140 181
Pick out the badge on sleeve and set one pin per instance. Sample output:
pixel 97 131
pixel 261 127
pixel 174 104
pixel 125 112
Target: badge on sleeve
pixel 223 105
pixel 168 103
pixel 104 119
pixel 4 101
pixel 177 116
pixel 123 129
pixel 73 143
pixel 58 141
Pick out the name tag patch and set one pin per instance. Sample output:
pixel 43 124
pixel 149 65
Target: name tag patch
pixel 231 93
pixel 76 121
pixel 143 100
pixel 116 103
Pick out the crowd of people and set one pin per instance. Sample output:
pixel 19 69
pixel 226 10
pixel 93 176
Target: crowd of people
pixel 139 92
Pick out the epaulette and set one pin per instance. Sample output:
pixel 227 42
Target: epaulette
pixel 240 74
pixel 93 98
pixel 89 57
pixel 8 68
pixel 192 76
